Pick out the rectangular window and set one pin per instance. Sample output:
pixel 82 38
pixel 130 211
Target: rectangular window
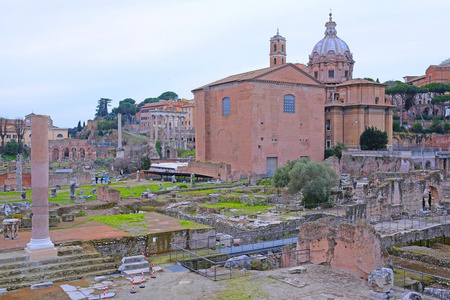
pixel 328 125
pixel 420 96
pixel 225 106
pixel 346 74
pixel 430 78
pixel 316 74
pixel 8 136
pixel 328 144
pixel 330 73
pixel 289 104
pixel 14 136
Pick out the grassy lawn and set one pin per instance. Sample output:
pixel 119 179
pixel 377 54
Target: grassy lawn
pixel 194 193
pixel 192 225
pixel 134 224
pixel 240 207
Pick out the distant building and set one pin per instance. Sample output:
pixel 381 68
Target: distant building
pixel 257 121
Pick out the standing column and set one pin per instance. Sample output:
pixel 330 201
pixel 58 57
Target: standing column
pixel 120 153
pixel 179 132
pixel 40 246
pixel 151 127
pixel 167 129
pixel 19 173
pixel 156 127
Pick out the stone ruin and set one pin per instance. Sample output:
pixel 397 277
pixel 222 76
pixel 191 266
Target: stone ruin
pixel 381 282
pixel 108 194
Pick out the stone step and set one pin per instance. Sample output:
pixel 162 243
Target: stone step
pixel 134 265
pixel 58 259
pixel 18 285
pixel 54 266
pixel 136 272
pixel 12 257
pixel 50 275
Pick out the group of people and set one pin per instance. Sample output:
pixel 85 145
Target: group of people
pixel 426 194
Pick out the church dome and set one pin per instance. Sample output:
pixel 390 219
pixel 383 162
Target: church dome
pixel 330 42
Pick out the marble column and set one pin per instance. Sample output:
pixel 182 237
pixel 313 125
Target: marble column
pixel 40 246
pixel 151 127
pixel 120 153
pixel 156 127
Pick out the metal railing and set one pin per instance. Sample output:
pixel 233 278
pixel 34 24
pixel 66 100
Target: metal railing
pixel 416 281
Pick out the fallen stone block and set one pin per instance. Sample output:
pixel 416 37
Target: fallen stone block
pixel 297 270
pixel 381 280
pixel 107 295
pixel 100 278
pixel 132 259
pixel 2 292
pixel 410 296
pixel 42 285
pixel 378 296
pixel 67 217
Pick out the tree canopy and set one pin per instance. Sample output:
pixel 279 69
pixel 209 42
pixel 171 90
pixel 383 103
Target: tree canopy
pixel 403 96
pixel 313 179
pixel 168 96
pixel 373 139
pixel 102 107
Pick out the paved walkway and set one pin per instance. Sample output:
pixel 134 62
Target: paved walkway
pixel 257 247
pixel 390 227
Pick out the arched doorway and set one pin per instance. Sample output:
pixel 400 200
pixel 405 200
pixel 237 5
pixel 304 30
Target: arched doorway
pixel 66 153
pixel 428 165
pixel 55 154
pixel 168 153
pixel 74 154
pixel 82 154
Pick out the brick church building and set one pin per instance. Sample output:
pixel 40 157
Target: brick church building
pixel 251 123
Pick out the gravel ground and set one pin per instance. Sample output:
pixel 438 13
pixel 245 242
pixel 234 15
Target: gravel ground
pixel 318 283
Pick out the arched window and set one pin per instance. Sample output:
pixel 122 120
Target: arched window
pixel 275 61
pixel 282 48
pixel 289 104
pixel 274 47
pixel 282 60
pixel 59 136
pixel 225 106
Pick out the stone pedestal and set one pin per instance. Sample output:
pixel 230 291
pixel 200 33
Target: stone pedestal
pixel 40 246
pixel 10 228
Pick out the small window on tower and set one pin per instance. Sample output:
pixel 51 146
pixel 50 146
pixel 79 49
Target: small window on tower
pixel 316 74
pixel 282 48
pixel 330 73
pixel 225 106
pixel 376 100
pixel 275 48
pixel 282 60
pixel 275 61
pixel 346 74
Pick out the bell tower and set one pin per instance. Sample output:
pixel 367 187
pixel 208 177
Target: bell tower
pixel 277 50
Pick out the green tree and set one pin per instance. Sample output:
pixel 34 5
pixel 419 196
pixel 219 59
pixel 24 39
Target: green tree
pixel 3 124
pixel 442 100
pixel 369 79
pixel 436 126
pixel 168 96
pixel 79 128
pixel 313 179
pixel 281 176
pixel 158 147
pixel 373 139
pixel 148 100
pixel 145 162
pixel 102 107
pixel 396 126
pixel 404 96
pixel 417 128
pixel 13 148
pixel 127 107
pixel 335 150
pixel 447 127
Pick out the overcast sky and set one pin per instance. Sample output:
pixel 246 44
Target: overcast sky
pixel 59 57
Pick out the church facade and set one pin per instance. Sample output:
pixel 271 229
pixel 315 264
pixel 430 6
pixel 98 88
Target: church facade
pixel 256 121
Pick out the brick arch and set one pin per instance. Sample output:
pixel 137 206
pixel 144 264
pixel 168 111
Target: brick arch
pixel 74 152
pixel 65 153
pixel 81 153
pixel 428 165
pixel 56 153
pixel 395 142
pixel 406 142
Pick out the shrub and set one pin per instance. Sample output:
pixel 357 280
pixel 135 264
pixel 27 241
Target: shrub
pixel 80 213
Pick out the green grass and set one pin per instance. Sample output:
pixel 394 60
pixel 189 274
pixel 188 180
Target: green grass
pixel 132 223
pixel 241 208
pixel 192 225
pixel 125 193
pixel 184 152
pixel 194 193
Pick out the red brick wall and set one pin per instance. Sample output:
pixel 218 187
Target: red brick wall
pixel 257 128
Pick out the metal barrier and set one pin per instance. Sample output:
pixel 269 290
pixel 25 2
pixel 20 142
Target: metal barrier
pixel 418 285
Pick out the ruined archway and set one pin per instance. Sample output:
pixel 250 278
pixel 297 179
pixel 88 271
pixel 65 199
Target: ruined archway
pixel 55 154
pixel 66 153
pixel 428 165
pixel 82 153
pixel 74 154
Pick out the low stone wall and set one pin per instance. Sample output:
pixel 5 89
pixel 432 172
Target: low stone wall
pixel 107 193
pixel 156 242
pixel 221 171
pixel 64 179
pixel 416 235
pixel 364 163
pixel 355 249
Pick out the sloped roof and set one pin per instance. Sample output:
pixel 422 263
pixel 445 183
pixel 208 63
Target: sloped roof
pixel 358 81
pixel 259 74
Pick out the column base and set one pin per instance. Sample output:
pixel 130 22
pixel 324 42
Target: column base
pixel 43 253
